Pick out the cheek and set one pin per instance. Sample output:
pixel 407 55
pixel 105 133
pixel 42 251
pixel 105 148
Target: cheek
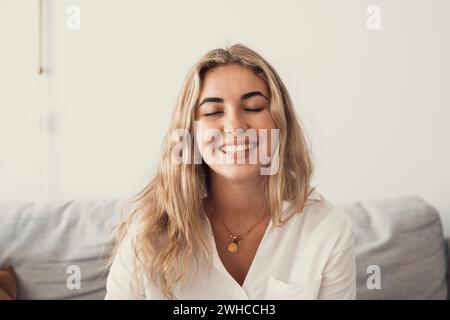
pixel 264 121
pixel 269 138
pixel 270 123
pixel 205 136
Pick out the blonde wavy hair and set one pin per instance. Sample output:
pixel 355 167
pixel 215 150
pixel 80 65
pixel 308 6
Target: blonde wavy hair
pixel 170 210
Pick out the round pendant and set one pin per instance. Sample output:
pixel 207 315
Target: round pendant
pixel 233 247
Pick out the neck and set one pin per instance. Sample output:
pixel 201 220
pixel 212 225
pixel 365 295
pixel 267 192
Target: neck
pixel 238 201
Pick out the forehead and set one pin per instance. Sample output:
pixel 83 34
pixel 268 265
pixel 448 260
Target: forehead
pixel 231 80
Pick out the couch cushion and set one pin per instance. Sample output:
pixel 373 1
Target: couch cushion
pixel 404 238
pixel 50 243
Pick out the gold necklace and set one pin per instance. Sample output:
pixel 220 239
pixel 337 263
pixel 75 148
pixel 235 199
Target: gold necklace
pixel 233 246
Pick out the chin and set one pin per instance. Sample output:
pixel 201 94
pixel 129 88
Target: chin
pixel 238 172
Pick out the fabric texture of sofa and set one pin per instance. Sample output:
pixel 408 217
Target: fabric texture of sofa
pixel 399 240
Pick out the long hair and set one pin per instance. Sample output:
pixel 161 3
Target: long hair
pixel 170 210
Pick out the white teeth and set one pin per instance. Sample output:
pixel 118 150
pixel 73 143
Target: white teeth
pixel 230 149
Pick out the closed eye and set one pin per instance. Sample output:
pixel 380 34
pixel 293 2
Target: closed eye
pixel 219 112
pixel 254 110
pixel 212 113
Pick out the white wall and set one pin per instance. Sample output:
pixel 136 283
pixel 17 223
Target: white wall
pixel 375 103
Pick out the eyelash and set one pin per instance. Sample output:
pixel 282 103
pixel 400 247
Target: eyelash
pixel 218 112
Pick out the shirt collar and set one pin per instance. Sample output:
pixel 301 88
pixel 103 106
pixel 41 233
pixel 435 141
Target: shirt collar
pixel 313 195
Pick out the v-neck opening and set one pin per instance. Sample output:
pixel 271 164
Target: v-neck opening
pixel 252 264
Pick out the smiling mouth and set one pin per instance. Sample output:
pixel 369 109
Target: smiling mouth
pixel 237 148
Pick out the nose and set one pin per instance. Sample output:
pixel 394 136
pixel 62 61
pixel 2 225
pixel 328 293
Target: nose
pixel 232 122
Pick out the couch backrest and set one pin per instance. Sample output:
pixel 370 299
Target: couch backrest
pixel 403 239
pixel 47 243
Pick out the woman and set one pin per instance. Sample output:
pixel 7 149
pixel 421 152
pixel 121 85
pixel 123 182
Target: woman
pixel 230 226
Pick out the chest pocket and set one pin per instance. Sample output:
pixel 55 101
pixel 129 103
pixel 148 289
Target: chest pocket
pixel 280 290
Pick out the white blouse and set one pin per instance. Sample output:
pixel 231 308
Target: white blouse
pixel 311 256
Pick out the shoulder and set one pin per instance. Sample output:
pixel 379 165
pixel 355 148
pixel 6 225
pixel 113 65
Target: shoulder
pixel 319 210
pixel 324 222
pixel 325 213
pixel 332 224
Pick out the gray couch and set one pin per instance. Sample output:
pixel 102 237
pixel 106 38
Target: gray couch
pixel 399 241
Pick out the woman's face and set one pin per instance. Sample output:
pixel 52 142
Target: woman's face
pixel 232 109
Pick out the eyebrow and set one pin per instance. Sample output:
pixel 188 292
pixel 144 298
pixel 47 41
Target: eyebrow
pixel 243 97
